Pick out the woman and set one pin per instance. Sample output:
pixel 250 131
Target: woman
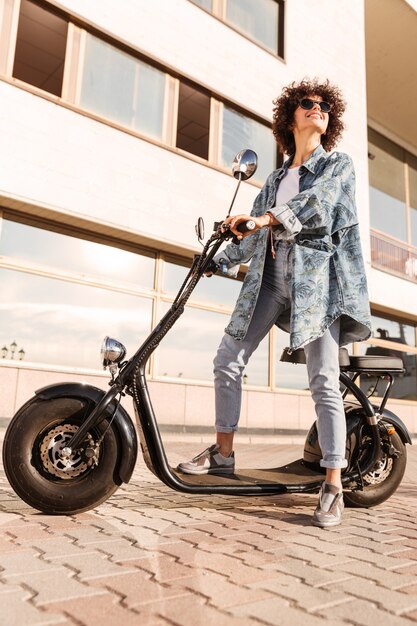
pixel 306 275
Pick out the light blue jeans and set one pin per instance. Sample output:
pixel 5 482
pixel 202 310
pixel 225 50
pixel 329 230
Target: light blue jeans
pixel 322 357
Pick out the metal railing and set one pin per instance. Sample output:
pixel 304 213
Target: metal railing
pixel 393 256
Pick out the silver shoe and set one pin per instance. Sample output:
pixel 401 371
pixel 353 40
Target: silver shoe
pixel 210 461
pixel 330 507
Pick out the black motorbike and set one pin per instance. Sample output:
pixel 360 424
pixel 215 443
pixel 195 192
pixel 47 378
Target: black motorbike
pixel 72 445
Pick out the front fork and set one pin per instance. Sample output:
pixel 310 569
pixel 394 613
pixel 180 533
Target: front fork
pixel 91 421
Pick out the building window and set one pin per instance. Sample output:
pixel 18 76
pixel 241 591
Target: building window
pixel 262 21
pixel 392 338
pixel 393 205
pixel 189 348
pixel 218 290
pixel 412 182
pixel 40 48
pixel 259 20
pixel 80 257
pixel 67 293
pixel 240 131
pixel 387 187
pixel 63 323
pixel 193 121
pixel 122 88
pixel 61 294
pixel 204 4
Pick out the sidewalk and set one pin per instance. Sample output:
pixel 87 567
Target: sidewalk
pixel 151 556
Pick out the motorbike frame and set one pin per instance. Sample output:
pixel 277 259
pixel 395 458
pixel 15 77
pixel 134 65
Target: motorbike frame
pixel 132 380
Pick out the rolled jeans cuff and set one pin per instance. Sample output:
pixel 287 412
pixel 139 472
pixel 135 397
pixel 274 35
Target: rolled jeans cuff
pixel 334 464
pixel 224 429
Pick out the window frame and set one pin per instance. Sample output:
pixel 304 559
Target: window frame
pixel 159 297
pixel 408 160
pixel 218 11
pixel 390 345
pixel 72 80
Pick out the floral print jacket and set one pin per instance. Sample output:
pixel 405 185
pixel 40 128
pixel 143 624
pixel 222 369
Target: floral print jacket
pixel 328 271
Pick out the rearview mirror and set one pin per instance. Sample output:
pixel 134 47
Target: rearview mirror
pixel 245 164
pixel 199 229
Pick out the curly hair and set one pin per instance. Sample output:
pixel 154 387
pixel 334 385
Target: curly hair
pixel 288 101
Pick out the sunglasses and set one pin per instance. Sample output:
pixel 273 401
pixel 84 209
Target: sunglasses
pixel 308 104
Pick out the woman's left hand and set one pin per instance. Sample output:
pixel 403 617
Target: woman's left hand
pixel 235 220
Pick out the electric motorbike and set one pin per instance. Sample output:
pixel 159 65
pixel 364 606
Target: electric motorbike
pixel 72 445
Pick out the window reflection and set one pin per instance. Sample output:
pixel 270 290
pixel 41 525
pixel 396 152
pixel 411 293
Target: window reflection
pixel 62 323
pixel 189 348
pixel 241 132
pixel 205 4
pixel 392 330
pixel 412 174
pixel 258 19
pixel 387 187
pixel 405 385
pixel 121 88
pixel 216 289
pixel 63 252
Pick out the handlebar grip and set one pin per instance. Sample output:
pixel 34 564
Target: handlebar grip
pixel 246 227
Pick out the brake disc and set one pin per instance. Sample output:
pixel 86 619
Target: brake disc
pixel 50 449
pixel 379 475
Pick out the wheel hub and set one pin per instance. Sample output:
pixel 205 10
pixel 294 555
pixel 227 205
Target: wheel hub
pixel 379 475
pixel 54 462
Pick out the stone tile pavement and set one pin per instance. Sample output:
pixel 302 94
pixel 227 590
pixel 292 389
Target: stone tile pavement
pixel 150 556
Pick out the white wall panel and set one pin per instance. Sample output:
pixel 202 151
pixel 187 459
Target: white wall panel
pixel 75 165
pixel 393 292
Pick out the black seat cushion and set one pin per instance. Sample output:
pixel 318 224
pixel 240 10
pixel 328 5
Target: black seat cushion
pixel 376 363
pixel 351 363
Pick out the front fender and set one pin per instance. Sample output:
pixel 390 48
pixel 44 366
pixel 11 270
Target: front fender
pixel 122 421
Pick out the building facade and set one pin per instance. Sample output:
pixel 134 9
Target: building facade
pixel 119 123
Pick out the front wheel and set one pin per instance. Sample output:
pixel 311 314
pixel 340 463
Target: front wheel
pixel 381 483
pixel 36 470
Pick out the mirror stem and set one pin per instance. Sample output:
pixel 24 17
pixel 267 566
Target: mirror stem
pixel 234 197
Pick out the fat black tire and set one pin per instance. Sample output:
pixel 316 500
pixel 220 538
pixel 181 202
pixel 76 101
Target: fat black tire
pixel 374 494
pixel 27 474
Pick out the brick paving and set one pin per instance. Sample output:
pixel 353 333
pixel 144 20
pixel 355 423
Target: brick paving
pixel 151 556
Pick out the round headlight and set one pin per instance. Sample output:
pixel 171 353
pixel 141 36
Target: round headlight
pixel 112 351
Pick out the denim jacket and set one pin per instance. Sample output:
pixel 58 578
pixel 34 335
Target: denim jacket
pixel 328 273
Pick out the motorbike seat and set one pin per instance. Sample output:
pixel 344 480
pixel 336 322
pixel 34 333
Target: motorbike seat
pixel 375 364
pixel 349 363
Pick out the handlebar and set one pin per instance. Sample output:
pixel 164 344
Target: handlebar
pixel 243 227
pixel 246 227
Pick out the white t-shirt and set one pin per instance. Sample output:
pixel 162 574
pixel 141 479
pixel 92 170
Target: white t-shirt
pixel 272 275
pixel 289 186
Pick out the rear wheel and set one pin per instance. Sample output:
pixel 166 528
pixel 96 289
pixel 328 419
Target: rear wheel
pixel 41 476
pixel 381 483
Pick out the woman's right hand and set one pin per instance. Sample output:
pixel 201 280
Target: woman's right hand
pixel 235 220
